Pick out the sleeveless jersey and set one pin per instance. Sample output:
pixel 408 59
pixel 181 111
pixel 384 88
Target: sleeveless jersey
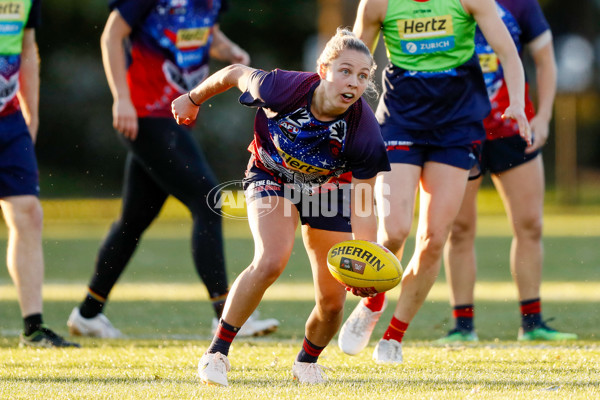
pixel 292 144
pixel 428 35
pixel 15 17
pixel 169 49
pixel 525 22
pixel 434 78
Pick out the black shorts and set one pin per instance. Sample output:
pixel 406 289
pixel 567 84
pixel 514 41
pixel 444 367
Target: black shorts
pixel 328 210
pixel 502 154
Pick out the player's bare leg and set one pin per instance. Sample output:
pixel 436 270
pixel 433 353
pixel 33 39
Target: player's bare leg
pixel 326 317
pixel 274 235
pixel 25 261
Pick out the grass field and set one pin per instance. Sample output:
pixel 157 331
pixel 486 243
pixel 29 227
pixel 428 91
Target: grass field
pixel 163 309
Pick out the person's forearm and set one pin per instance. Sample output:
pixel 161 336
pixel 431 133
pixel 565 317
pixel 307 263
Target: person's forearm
pixel 546 87
pixel 219 82
pixel 515 80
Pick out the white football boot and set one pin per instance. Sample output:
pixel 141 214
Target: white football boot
pixel 388 351
pixel 98 326
pixel 309 373
pixel 356 331
pixel 253 326
pixel 213 369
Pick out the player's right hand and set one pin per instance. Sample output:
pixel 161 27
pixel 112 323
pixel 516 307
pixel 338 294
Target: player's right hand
pixel 360 293
pixel 183 110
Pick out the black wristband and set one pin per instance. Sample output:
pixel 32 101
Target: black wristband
pixel 192 100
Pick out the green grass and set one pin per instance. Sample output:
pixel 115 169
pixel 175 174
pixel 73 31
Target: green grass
pixel 163 309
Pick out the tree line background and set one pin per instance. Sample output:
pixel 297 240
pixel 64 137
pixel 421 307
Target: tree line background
pixel 79 152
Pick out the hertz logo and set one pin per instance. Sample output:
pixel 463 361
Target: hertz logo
pixel 425 27
pixel 11 10
pixel 297 165
pixel 194 37
pixel 360 253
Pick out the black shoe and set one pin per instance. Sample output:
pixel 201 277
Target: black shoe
pixel 44 337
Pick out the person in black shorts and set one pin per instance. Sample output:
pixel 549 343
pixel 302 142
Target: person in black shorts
pixel 517 172
pixel 19 180
pixel 168 54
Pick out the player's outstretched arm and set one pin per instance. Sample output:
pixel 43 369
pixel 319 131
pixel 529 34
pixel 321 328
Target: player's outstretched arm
pixel 185 107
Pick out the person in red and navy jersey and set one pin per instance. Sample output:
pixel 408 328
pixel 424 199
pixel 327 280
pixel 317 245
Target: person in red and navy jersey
pixel 19 180
pixel 154 50
pixel 315 138
pixel 517 172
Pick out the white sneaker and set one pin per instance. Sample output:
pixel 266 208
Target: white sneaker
pixel 356 331
pixel 98 326
pixel 213 368
pixel 309 373
pixel 388 351
pixel 253 326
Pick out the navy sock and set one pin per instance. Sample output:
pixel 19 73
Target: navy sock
pixel 32 323
pixel 310 352
pixel 531 314
pixel 223 338
pixel 463 315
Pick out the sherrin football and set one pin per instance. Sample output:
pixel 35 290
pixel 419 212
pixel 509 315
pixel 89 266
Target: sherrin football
pixel 365 265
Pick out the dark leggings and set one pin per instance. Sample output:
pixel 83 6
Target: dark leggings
pixel 163 160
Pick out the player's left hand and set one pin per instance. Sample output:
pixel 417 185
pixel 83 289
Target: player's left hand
pixel 183 110
pixel 540 129
pixel 518 114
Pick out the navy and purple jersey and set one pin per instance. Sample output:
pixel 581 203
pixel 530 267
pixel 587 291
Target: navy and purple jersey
pixel 15 17
pixel 169 49
pixel 293 145
pixel 525 22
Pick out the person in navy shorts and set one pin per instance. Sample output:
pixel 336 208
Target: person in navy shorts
pixel 517 172
pixel 154 50
pixel 431 111
pixel 19 181
pixel 316 141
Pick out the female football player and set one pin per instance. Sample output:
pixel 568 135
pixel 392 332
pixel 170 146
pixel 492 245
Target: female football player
pixel 311 131
pixel 517 171
pixel 431 112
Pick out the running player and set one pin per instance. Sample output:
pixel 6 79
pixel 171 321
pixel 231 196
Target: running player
pixel 517 172
pixel 170 44
pixel 19 181
pixel 309 130
pixel 431 112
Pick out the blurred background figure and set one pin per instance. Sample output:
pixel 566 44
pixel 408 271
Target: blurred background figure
pixel 19 184
pixel 517 172
pixel 153 51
